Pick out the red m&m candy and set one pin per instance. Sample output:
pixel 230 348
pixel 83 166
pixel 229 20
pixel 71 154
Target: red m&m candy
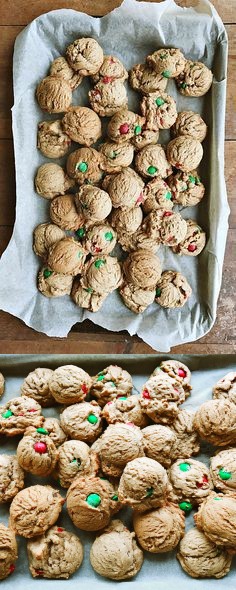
pixel 40 447
pixel 84 388
pixel 182 373
pixel 192 247
pixel 124 128
pixel 145 394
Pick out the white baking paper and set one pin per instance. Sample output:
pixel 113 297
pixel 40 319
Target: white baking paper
pixel 159 572
pixel 130 32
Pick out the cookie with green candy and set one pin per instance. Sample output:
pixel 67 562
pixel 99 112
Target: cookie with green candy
pixel 91 502
pixel 36 452
pixel 54 284
pixel 195 79
pixel 82 421
pixel 75 459
pixel 102 274
pixel 186 188
pixel 99 239
pixel 111 383
pixel 151 161
pixel 124 126
pixel 18 414
pixel 86 297
pixel 84 166
pixel 159 110
pixel 166 62
pixel 223 470
pixel 193 242
pixel 144 79
pixel 190 480
pixel 143 484
pixel 116 156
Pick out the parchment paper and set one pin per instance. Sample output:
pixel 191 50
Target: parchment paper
pixel 159 572
pixel 130 32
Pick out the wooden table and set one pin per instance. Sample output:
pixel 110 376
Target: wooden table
pixel 15 337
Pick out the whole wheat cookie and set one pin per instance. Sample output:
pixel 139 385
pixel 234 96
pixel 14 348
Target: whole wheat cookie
pixel 226 388
pixel 36 452
pixel 56 554
pixel 111 68
pixel 60 69
pixel 172 290
pixel 124 126
pixel 186 188
pixel 184 153
pixel 125 409
pixel 157 195
pixel 85 56
pixel 11 479
pixel 51 139
pixel 51 181
pixel 108 97
pixel 200 558
pixel 91 502
pixel 195 79
pixel 190 480
pixel 136 298
pixel 223 470
pixel 144 78
pixel 215 422
pixel 75 459
pixel 82 125
pixel 102 274
pixel 84 165
pixel 69 384
pixel 8 551
pixel 82 421
pixel 64 214
pixel 167 62
pixel 35 385
pixel 194 241
pixel 159 530
pixel 159 110
pixel 142 269
pixel 191 124
pixel 93 203
pixel 143 485
pixel 111 384
pixel 151 161
pixel 66 257
pixel 99 239
pixel 44 236
pixel 125 189
pixel 115 554
pixel 116 156
pixel 54 284
pixel 86 297
pixel 119 444
pixel 54 95
pixel 19 413
pixel 34 510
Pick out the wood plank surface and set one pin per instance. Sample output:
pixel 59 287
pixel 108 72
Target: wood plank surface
pixel 15 337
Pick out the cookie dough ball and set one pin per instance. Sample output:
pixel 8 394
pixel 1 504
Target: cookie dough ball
pixel 108 97
pixel 200 558
pixel 125 409
pixel 54 284
pixel 125 189
pixel 2 384
pixel 35 385
pixel 111 383
pixel 45 235
pixel 159 110
pixel 86 298
pixel 54 95
pixel 66 257
pixel 53 427
pixel 119 444
pixel 195 79
pixel 94 203
pixel 100 239
pixel 186 188
pixel 160 398
pixel 191 124
pixel 146 137
pixel 51 139
pixel 111 68
pixel 102 274
pixel 184 153
pixel 157 195
pixel 223 471
pixel 8 551
pixel 124 126
pixel 63 212
pixel 190 480
pixel 11 478
pixel 61 69
pixel 172 290
pixel 51 181
pixel 116 156
pixel 75 459
pixel 169 63
pixel 115 554
pixel 84 165
pixel 19 413
pixel 188 442
pixel 160 530
pixel 143 484
pixel 91 501
pixel 36 452
pixel 178 371
pixel 69 384
pixel 215 422
pixel 151 162
pixel 144 78
pixel 56 554
pixel 82 421
pixel 142 269
pixel 82 125
pixel 135 298
pixel 34 510
pixel 226 388
pixel 159 443
pixel 194 241
pixel 216 518
pixel 126 220
pixel 85 56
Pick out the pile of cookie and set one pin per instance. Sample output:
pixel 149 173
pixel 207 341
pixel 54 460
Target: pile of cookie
pixel 123 191
pixel 110 449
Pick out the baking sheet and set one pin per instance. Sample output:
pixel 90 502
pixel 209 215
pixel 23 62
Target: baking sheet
pixel 130 32
pixel 158 571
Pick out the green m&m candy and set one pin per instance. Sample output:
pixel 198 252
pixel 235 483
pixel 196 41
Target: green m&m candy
pixel 89 290
pixel 81 166
pixel 159 101
pixel 98 263
pixel 42 431
pixel 137 130
pixel 7 414
pixel 192 179
pixel 109 236
pixel 184 466
pixel 101 377
pixel 92 419
pixel 115 498
pixel 152 170
pixel 76 461
pixel 149 492
pixel 112 155
pixel 166 74
pixel 47 273
pixel 80 232
pixel 123 397
pixel 223 474
pixel 168 196
pixel 158 292
pixel 183 85
pixel 93 500
pixel 185 506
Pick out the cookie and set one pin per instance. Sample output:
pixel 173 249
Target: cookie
pixel 85 56
pixel 51 181
pixel 226 388
pixel 116 156
pixel 108 97
pixel 99 239
pixel 194 241
pixel 159 110
pixel 146 137
pixel 142 268
pixel 34 510
pixel 200 558
pixel 51 139
pixel 91 502
pixel 125 409
pixel 126 189
pixel 143 484
pixel 215 422
pixel 124 126
pixel 112 68
pixel 35 385
pixel 190 481
pixel 172 290
pixel 144 79
pixel 86 298
pixel 93 203
pixel 160 398
pixel 2 384
pixel 184 153
pixel 11 479
pixel 168 63
pixel 63 213
pixel 216 518
pixel 151 162
pixel 191 124
pixel 195 79
pixel 69 384
pixel 8 551
pixel 56 554
pixel 53 427
pixel 19 413
pixel 102 274
pixel 126 220
pixel 44 236
pixel 172 227
pixel 159 443
pixel 135 298
pixel 84 165
pixel 186 188
pixel 178 371
pixel 188 442
pixel 66 257
pixel 75 459
pixel 82 125
pixel 82 421
pixel 61 69
pixel 119 444
pixel 111 383
pixel 223 470
pixel 54 284
pixel 159 530
pixel 54 95
pixel 115 554
pixel 36 452
pixel 157 195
